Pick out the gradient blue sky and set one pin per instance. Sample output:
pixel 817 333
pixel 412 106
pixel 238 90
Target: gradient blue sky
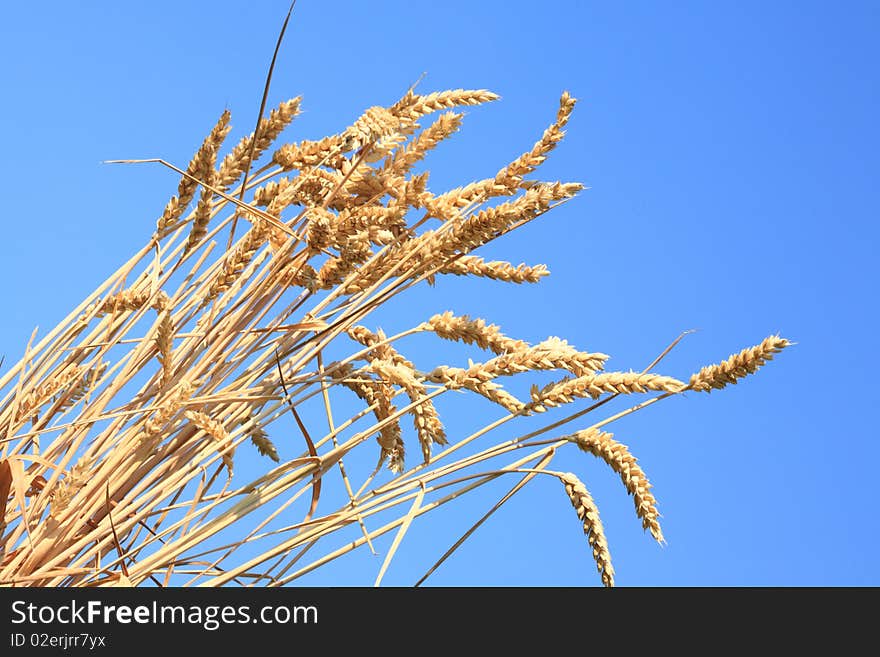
pixel 731 150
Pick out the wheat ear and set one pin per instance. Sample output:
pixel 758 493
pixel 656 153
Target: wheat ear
pixel 747 361
pixel 588 513
pixel 617 455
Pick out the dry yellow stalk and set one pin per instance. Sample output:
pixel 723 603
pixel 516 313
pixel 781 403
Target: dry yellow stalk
pixel 588 513
pixel 617 455
pixel 472 331
pixel 715 377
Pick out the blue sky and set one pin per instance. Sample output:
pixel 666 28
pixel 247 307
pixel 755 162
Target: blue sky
pixel 731 150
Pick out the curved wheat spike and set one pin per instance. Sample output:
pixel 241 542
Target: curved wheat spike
pixel 617 455
pixel 586 510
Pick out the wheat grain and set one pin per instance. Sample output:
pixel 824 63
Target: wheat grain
pixel 367 218
pixel 379 396
pixel 528 162
pixel 46 389
pixel 747 361
pixel 236 261
pixel 86 383
pixel 215 430
pixel 202 213
pixel 617 455
pixel 156 425
pixel 374 124
pixel 475 380
pixel 307 154
pixel 496 270
pixel 412 106
pixel 260 438
pixel 588 513
pixel 472 331
pixel 66 489
pixel 381 349
pixel 165 346
pixel 403 160
pixel 595 385
pixel 391 367
pixel 300 275
pixel 319 228
pixel 427 421
pixel 410 192
pixel 551 354
pixel 354 251
pixel 480 228
pixel 130 300
pixel 233 165
pixel 201 163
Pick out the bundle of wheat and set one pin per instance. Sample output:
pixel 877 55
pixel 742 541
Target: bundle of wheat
pixel 121 427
